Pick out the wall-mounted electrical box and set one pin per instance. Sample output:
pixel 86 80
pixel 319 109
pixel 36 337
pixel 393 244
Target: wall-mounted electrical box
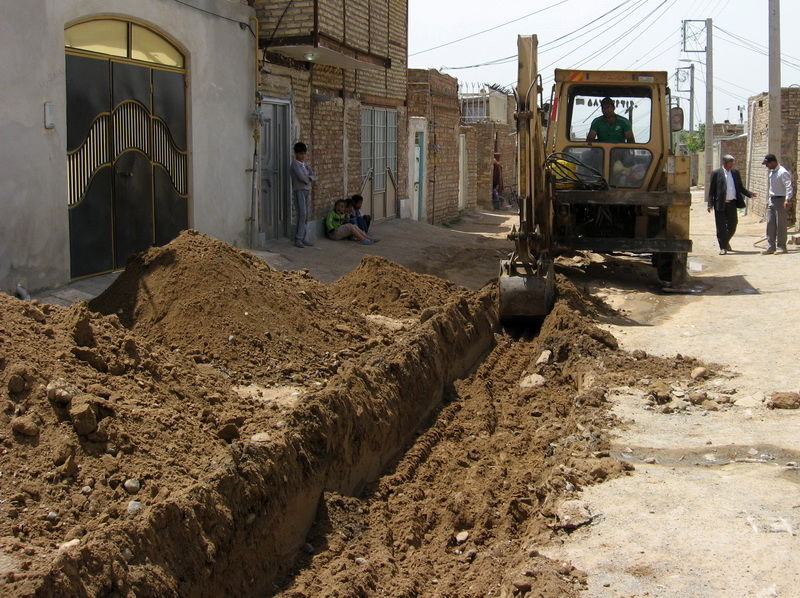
pixel 49 116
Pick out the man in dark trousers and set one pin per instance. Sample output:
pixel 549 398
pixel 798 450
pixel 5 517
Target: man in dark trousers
pixel 725 196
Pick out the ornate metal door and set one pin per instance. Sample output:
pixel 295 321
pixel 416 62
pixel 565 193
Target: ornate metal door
pixel 126 154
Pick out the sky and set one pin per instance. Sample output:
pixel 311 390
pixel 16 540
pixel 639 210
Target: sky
pixel 610 35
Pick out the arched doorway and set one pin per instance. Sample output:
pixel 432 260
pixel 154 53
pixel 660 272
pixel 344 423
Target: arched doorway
pixel 127 177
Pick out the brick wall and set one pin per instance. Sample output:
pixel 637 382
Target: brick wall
pixel 758 116
pixel 326 100
pixel 276 20
pixel 736 147
pixel 494 137
pixel 471 175
pixel 434 95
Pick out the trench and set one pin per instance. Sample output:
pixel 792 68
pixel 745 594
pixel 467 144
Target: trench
pixel 253 514
pixel 434 467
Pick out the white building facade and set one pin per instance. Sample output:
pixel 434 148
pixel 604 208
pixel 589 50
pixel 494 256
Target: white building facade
pixel 121 124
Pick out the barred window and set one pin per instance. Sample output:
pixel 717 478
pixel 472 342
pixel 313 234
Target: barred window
pixel 378 144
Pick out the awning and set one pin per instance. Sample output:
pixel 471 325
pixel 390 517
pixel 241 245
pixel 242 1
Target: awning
pixel 322 55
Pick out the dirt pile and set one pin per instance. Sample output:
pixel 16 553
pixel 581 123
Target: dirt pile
pixel 176 436
pixel 106 417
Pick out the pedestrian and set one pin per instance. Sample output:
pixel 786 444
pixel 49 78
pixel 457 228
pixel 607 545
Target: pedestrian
pixel 302 176
pixel 779 189
pixel 725 196
pixel 497 182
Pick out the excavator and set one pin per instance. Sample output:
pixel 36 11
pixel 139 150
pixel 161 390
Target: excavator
pixel 627 196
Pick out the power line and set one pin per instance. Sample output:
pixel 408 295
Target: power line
pixel 559 59
pixel 642 32
pixel 757 48
pixel 544 47
pixel 490 29
pixel 673 46
pixel 604 15
pixel 619 37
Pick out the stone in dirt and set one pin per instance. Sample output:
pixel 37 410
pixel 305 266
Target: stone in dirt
pixel 572 514
pixel 784 400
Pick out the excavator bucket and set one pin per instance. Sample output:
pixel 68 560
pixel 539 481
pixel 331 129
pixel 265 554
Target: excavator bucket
pixel 525 294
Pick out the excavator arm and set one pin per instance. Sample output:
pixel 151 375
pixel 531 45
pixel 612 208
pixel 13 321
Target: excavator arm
pixel 526 287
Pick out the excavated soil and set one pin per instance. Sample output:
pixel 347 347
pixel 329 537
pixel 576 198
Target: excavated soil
pixel 210 426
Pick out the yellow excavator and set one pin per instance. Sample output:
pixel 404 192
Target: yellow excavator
pixel 628 194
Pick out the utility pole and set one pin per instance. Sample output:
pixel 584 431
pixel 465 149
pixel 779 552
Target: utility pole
pixel 709 143
pixel 774 139
pixel 691 96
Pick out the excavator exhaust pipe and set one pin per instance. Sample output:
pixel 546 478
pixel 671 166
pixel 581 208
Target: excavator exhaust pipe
pixel 525 293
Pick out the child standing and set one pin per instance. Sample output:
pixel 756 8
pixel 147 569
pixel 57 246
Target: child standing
pixel 302 176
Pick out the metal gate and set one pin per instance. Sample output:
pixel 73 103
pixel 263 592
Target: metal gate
pixel 275 213
pixel 126 160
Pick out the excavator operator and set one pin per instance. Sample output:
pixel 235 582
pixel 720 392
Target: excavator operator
pixel 610 127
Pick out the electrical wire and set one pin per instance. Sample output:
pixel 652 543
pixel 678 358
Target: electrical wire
pixel 757 48
pixel 461 39
pixel 640 34
pixel 547 46
pixel 242 24
pixel 543 48
pixel 607 46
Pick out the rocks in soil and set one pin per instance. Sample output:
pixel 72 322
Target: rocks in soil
pixel 25 426
pixel 61 392
pixel 783 400
pixel 83 416
pixel 532 381
pixel 572 514
pixel 132 486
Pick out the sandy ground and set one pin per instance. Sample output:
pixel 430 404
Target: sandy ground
pixel 718 511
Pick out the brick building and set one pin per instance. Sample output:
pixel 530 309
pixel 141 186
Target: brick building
pixel 433 101
pixel 731 138
pixel 758 133
pixel 333 75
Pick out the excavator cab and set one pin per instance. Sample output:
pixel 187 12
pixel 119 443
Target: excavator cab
pixel 619 195
pixel 624 194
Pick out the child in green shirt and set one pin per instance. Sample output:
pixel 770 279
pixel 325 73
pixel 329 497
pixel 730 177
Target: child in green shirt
pixel 337 227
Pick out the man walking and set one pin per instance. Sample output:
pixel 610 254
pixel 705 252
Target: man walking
pixel 725 196
pixel 779 188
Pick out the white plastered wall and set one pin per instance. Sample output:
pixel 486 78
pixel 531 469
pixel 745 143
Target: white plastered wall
pixel 34 231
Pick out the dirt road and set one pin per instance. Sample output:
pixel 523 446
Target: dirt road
pixel 717 510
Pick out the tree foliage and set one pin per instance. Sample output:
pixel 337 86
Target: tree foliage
pixel 695 141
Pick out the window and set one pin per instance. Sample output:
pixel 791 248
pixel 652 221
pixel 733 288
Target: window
pixel 378 144
pixel 632 103
pixel 123 39
pixel 629 166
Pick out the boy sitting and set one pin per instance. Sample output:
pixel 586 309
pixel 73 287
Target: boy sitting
pixel 337 227
pixel 361 221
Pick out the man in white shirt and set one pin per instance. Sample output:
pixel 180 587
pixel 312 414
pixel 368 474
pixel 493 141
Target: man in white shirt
pixel 779 189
